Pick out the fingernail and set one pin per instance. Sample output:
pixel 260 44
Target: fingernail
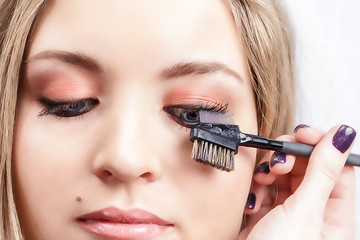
pixel 250 204
pixel 300 126
pixel 343 138
pixel 277 157
pixel 264 168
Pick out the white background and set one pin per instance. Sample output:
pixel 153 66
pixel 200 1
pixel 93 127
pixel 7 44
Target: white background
pixel 328 58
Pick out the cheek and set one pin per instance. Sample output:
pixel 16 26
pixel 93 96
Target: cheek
pixel 213 201
pixel 42 172
pixel 37 150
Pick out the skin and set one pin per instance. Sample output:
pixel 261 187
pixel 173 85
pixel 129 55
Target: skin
pixel 315 196
pixel 127 152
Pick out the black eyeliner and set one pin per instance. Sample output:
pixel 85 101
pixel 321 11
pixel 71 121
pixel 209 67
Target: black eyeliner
pixel 67 108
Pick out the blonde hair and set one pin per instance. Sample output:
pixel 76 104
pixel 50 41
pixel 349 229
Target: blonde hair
pixel 16 19
pixel 263 28
pixel 268 42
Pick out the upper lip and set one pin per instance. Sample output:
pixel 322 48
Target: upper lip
pixel 115 215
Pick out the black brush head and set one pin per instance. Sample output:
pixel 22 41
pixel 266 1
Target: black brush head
pixel 224 135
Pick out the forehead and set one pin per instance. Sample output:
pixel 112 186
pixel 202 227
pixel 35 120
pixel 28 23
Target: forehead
pixel 137 22
pixel 147 13
pixel 134 33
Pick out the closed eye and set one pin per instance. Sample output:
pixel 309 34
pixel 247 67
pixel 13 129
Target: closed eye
pixel 71 108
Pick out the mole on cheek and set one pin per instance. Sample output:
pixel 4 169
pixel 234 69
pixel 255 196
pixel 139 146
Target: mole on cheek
pixel 78 199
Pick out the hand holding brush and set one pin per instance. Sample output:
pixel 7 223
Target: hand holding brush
pixel 215 144
pixel 309 198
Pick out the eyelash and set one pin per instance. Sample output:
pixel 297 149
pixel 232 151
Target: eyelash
pixel 72 108
pixel 185 115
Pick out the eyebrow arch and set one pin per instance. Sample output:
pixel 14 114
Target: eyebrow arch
pixel 198 68
pixel 78 59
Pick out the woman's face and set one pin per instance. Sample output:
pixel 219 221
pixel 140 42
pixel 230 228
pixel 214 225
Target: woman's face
pixel 96 156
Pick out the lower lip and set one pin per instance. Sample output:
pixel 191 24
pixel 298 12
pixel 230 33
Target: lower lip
pixel 123 231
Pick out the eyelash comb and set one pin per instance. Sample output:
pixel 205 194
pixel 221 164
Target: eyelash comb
pixel 215 143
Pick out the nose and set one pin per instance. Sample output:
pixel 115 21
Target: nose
pixel 127 149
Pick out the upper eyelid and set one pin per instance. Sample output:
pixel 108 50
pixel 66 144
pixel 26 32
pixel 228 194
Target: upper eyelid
pixel 220 108
pixel 184 106
pixel 63 102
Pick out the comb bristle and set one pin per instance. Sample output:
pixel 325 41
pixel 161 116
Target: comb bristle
pixel 219 157
pixel 214 154
pixel 195 149
pixel 204 154
pixel 211 154
pixel 201 152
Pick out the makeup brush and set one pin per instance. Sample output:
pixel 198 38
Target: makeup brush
pixel 215 144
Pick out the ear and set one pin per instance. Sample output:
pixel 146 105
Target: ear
pixel 260 200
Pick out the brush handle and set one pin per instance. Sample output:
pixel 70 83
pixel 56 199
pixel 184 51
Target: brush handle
pixel 293 148
pixel 305 150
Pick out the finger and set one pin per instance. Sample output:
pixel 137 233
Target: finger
pixel 287 183
pixel 262 174
pixel 308 135
pixel 260 201
pixel 282 193
pixel 255 199
pixel 325 165
pixel 281 163
pixel 299 167
pixel 341 206
pixel 296 175
pixel 345 187
pixel 274 164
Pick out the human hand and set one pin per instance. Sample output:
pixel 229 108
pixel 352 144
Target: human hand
pixel 314 198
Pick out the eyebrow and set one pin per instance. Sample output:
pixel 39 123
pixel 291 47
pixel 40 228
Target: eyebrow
pixel 198 68
pixel 178 70
pixel 77 59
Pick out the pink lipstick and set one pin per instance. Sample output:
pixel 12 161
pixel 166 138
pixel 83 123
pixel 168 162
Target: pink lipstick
pixel 114 223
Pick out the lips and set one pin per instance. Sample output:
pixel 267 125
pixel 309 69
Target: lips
pixel 114 223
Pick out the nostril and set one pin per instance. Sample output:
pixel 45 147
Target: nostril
pixel 105 173
pixel 126 167
pixel 146 175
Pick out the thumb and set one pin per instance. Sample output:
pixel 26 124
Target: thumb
pixel 325 165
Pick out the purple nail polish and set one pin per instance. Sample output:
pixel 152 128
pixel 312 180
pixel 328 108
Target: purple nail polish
pixel 300 126
pixel 343 138
pixel 264 168
pixel 278 157
pixel 250 204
